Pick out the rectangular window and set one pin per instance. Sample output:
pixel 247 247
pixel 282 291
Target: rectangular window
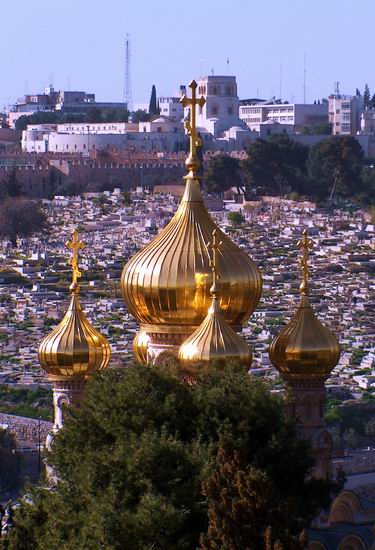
pixel 345 106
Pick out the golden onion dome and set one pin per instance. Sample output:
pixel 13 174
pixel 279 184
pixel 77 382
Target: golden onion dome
pixel 74 348
pixel 305 348
pixel 214 340
pixel 167 282
pixel 140 344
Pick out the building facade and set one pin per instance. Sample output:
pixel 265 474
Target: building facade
pixel 60 101
pixel 220 111
pixel 344 114
pixel 171 107
pixel 367 122
pixel 255 112
pixel 161 134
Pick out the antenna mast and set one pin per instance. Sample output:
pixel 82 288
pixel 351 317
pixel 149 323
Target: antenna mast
pixel 304 78
pixel 128 95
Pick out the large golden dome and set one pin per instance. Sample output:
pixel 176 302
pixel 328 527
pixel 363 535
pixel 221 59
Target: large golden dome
pixel 305 348
pixel 214 340
pixel 168 281
pixel 74 348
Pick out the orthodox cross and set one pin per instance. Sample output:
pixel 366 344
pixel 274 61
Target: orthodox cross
pixel 215 246
pixel 191 125
pixel 305 245
pixel 74 245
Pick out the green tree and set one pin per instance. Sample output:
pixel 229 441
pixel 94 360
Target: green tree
pixel 276 166
pixel 367 191
pixel 370 427
pixel 8 461
pixel 223 172
pixel 127 197
pixel 153 107
pixel 11 185
pixel 236 218
pixel 140 116
pixel 335 166
pixel 321 129
pixel 20 218
pixel 366 97
pixel 242 503
pixel 131 462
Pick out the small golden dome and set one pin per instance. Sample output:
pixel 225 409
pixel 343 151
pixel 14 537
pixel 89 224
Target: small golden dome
pixel 74 348
pixel 214 340
pixel 305 348
pixel 140 344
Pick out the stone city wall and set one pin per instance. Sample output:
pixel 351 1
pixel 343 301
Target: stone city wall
pixel 43 181
pixel 27 430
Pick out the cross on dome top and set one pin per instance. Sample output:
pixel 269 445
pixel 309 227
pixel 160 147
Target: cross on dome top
pixel 215 246
pixel 305 245
pixel 192 161
pixel 75 245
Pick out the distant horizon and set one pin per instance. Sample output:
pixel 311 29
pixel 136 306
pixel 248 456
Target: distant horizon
pixel 266 48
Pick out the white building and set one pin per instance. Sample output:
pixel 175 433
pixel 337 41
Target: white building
pixel 52 101
pixel 160 134
pixel 171 106
pixel 220 112
pixel 255 112
pixel 344 113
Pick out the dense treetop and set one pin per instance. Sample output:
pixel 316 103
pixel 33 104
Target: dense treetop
pixel 139 467
pixel 332 170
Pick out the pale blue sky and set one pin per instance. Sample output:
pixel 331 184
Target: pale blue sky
pixel 84 40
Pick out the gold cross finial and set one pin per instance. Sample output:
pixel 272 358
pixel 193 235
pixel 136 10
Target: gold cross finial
pixel 192 161
pixel 305 245
pixel 74 245
pixel 215 246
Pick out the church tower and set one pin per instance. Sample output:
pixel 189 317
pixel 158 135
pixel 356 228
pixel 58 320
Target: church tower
pixel 166 285
pixel 74 350
pixel 304 353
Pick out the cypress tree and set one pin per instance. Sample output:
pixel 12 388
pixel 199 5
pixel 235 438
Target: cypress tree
pixel 153 108
pixel 366 96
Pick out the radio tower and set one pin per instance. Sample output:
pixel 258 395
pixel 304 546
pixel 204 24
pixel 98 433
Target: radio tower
pixel 128 96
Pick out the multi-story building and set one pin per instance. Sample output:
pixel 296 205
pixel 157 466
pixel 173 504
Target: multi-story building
pixel 171 107
pixel 161 134
pixel 62 101
pixel 344 113
pixel 255 112
pixel 220 112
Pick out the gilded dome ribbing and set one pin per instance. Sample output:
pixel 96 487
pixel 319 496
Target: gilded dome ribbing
pixel 167 282
pixel 214 340
pixel 305 348
pixel 74 348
